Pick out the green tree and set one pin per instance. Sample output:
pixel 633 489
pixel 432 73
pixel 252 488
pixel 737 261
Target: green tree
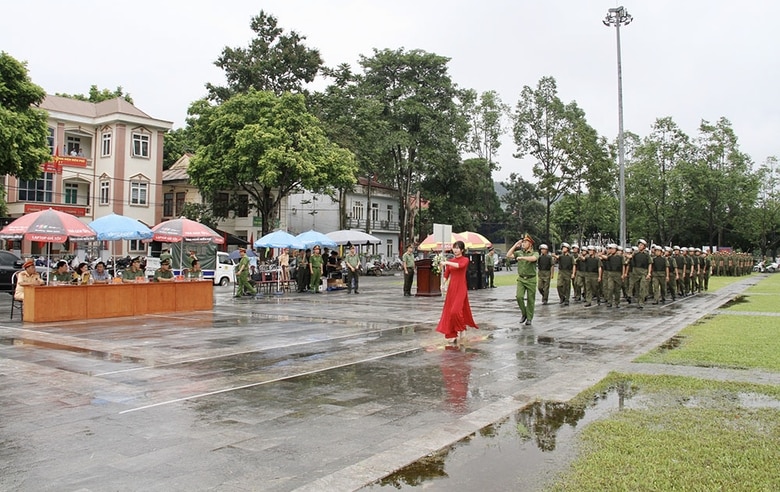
pixel 525 210
pixel 176 143
pixel 721 181
pixel 273 61
pixel 558 137
pixel 654 183
pixel 23 127
pixel 267 146
pixel 421 120
pixel 96 95
pixel 585 215
pixel 485 115
pixel 762 226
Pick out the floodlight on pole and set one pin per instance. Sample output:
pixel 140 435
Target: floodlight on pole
pixel 617 17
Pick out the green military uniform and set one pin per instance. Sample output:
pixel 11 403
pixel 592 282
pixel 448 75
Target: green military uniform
pixel 545 266
pixel 353 271
pixel 242 278
pixel 659 272
pixel 578 282
pixel 591 269
pixel 408 261
pixel 640 261
pixel 130 276
pixel 160 273
pixel 490 269
pixel 194 274
pixel 707 270
pixel 526 283
pixel 61 277
pixel 315 267
pixel 565 265
pixel 613 266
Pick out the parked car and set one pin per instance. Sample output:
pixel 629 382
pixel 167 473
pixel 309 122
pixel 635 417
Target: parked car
pixel 11 263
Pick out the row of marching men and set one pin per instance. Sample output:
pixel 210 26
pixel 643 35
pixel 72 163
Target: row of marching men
pixel 634 274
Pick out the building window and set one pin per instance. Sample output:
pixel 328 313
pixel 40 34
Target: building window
pixel 105 144
pixel 168 205
pixel 374 212
pixel 221 204
pixel 242 206
pixel 140 145
pixel 391 253
pixel 180 203
pixel 139 193
pixel 105 186
pixel 136 245
pixel 357 210
pixel 390 217
pixel 71 193
pixel 38 190
pixel 50 140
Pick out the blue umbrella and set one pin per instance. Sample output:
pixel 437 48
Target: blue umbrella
pixel 113 227
pixel 312 238
pixel 235 254
pixel 279 239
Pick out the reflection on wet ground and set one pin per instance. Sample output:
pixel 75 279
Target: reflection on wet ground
pixel 742 299
pixel 289 390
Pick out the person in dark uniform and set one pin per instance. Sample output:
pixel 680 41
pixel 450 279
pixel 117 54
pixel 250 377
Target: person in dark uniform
pixel 546 269
pixel 640 261
pixel 490 269
pixel 671 285
pixel 591 268
pixel 408 264
pixel 658 271
pixel 565 263
pixel 613 271
pixel 577 277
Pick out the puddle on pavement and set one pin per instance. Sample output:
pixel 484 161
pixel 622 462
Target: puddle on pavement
pixel 518 453
pixel 95 354
pixel 528 449
pixel 737 300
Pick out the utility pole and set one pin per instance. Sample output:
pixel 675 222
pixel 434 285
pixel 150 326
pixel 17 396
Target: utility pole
pixel 617 17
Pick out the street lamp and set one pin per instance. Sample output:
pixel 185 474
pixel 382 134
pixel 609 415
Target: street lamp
pixel 617 17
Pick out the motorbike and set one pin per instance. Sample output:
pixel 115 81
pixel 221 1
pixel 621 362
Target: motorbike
pixel 375 269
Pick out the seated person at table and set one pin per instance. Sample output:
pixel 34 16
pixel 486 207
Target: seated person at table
pixel 28 276
pixel 134 273
pixel 255 275
pixel 164 273
pixel 101 275
pixel 60 272
pixel 195 272
pixel 81 275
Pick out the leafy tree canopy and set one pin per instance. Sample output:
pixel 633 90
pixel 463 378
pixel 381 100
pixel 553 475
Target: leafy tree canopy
pixel 267 146
pixel 273 61
pixel 95 95
pixel 23 127
pixel 176 143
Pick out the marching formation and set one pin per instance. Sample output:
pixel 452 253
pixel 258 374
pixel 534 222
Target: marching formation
pixel 611 275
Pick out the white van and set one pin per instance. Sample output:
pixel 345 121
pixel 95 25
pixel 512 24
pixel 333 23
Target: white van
pixel 217 266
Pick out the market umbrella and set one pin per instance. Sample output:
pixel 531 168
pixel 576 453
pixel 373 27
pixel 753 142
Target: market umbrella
pixel 48 226
pixel 183 229
pixel 113 227
pixel 279 239
pixel 474 240
pixel 312 238
pixel 346 236
pixel 430 243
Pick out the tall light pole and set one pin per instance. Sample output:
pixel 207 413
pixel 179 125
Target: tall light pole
pixel 617 17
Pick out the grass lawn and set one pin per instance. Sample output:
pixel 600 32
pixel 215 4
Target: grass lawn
pixel 689 434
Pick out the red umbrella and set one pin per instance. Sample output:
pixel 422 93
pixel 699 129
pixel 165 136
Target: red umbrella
pixel 183 229
pixel 48 226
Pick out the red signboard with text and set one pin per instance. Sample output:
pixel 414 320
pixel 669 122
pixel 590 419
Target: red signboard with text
pixel 55 165
pixel 39 207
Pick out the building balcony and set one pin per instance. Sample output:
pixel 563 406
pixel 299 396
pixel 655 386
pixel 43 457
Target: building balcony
pixel 376 225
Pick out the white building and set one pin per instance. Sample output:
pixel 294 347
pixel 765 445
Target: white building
pixel 106 157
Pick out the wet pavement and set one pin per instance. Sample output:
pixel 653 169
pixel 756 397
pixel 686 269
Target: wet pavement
pixel 294 391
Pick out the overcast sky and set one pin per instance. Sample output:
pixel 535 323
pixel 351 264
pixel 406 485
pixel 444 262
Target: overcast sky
pixel 691 60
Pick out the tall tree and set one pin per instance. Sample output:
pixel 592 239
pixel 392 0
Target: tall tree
pixel 653 184
pixel 524 208
pixel 423 126
pixel 23 127
pixel 557 136
pixel 96 95
pixel 267 146
pixel 721 179
pixel 274 61
pixel 176 143
pixel 762 226
pixel 485 115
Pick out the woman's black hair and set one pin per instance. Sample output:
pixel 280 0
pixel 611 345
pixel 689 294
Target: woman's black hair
pixel 60 264
pixel 460 244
